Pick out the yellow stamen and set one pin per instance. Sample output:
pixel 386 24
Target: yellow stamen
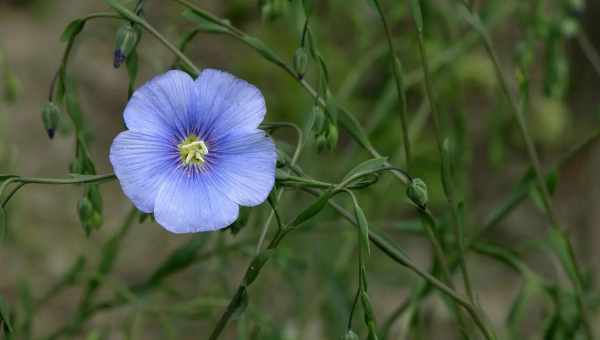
pixel 192 150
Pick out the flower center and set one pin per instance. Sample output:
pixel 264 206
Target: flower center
pixel 192 150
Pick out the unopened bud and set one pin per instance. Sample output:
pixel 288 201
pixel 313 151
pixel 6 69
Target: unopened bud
pixel 332 136
pixel 50 116
pixel 86 209
pixel 319 119
pixel 128 37
pixel 300 61
pixel 417 192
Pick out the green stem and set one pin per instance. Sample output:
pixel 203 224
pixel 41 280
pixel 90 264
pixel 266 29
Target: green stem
pixel 399 85
pixel 22 181
pixel 295 156
pixel 449 193
pixel 398 256
pixel 474 21
pixel 131 16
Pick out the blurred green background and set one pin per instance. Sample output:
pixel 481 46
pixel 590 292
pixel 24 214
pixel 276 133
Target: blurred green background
pixel 306 292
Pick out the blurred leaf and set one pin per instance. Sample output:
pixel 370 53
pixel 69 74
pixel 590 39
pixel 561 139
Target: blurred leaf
pixel 240 302
pixel 257 263
pixel 26 311
pixel 72 30
pixel 560 243
pixel 263 49
pixel 5 317
pixel 203 23
pixel 349 122
pixel 313 209
pixel 180 258
pixel 2 223
pixel 132 71
pixel 363 227
pixel 366 167
pixel 415 7
pixel 241 222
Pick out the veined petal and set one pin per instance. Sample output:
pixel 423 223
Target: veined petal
pixel 141 162
pixel 189 202
pixel 227 103
pixel 244 166
pixel 164 105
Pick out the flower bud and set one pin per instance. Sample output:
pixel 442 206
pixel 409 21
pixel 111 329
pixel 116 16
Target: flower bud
pixel 332 136
pixel 417 192
pixel 50 116
pixel 300 61
pixel 319 124
pixel 321 142
pixel 128 37
pixel 86 209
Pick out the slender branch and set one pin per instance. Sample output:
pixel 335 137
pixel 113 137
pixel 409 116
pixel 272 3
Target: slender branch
pixel 474 21
pixel 437 131
pixel 399 85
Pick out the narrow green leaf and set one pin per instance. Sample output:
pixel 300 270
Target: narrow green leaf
pixel 179 259
pixel 257 263
pixel 2 223
pixel 203 23
pixel 132 71
pixel 351 124
pixel 5 317
pixel 367 167
pixel 367 307
pixel 313 209
pixel 25 312
pixel 240 303
pixel 415 7
pixel 559 242
pixel 363 227
pixel 263 49
pixel 72 30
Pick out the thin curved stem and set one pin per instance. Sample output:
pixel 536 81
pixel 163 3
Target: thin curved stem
pixel 399 85
pixel 295 156
pixel 129 15
pixel 22 181
pixel 576 279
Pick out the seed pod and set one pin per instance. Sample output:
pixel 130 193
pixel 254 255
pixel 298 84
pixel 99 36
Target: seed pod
pixel 417 192
pixel 50 116
pixel 128 37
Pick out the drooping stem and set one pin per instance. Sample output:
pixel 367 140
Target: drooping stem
pixel 399 85
pixel 474 21
pixel 437 132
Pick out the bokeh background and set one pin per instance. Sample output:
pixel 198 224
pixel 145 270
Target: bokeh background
pixel 305 293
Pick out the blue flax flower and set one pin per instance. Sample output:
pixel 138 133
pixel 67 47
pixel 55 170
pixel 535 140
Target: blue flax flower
pixel 193 152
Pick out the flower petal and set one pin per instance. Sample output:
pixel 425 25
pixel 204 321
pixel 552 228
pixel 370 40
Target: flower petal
pixel 140 162
pixel 164 105
pixel 189 202
pixel 227 103
pixel 244 166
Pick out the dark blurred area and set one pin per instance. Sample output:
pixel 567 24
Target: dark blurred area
pixel 306 292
